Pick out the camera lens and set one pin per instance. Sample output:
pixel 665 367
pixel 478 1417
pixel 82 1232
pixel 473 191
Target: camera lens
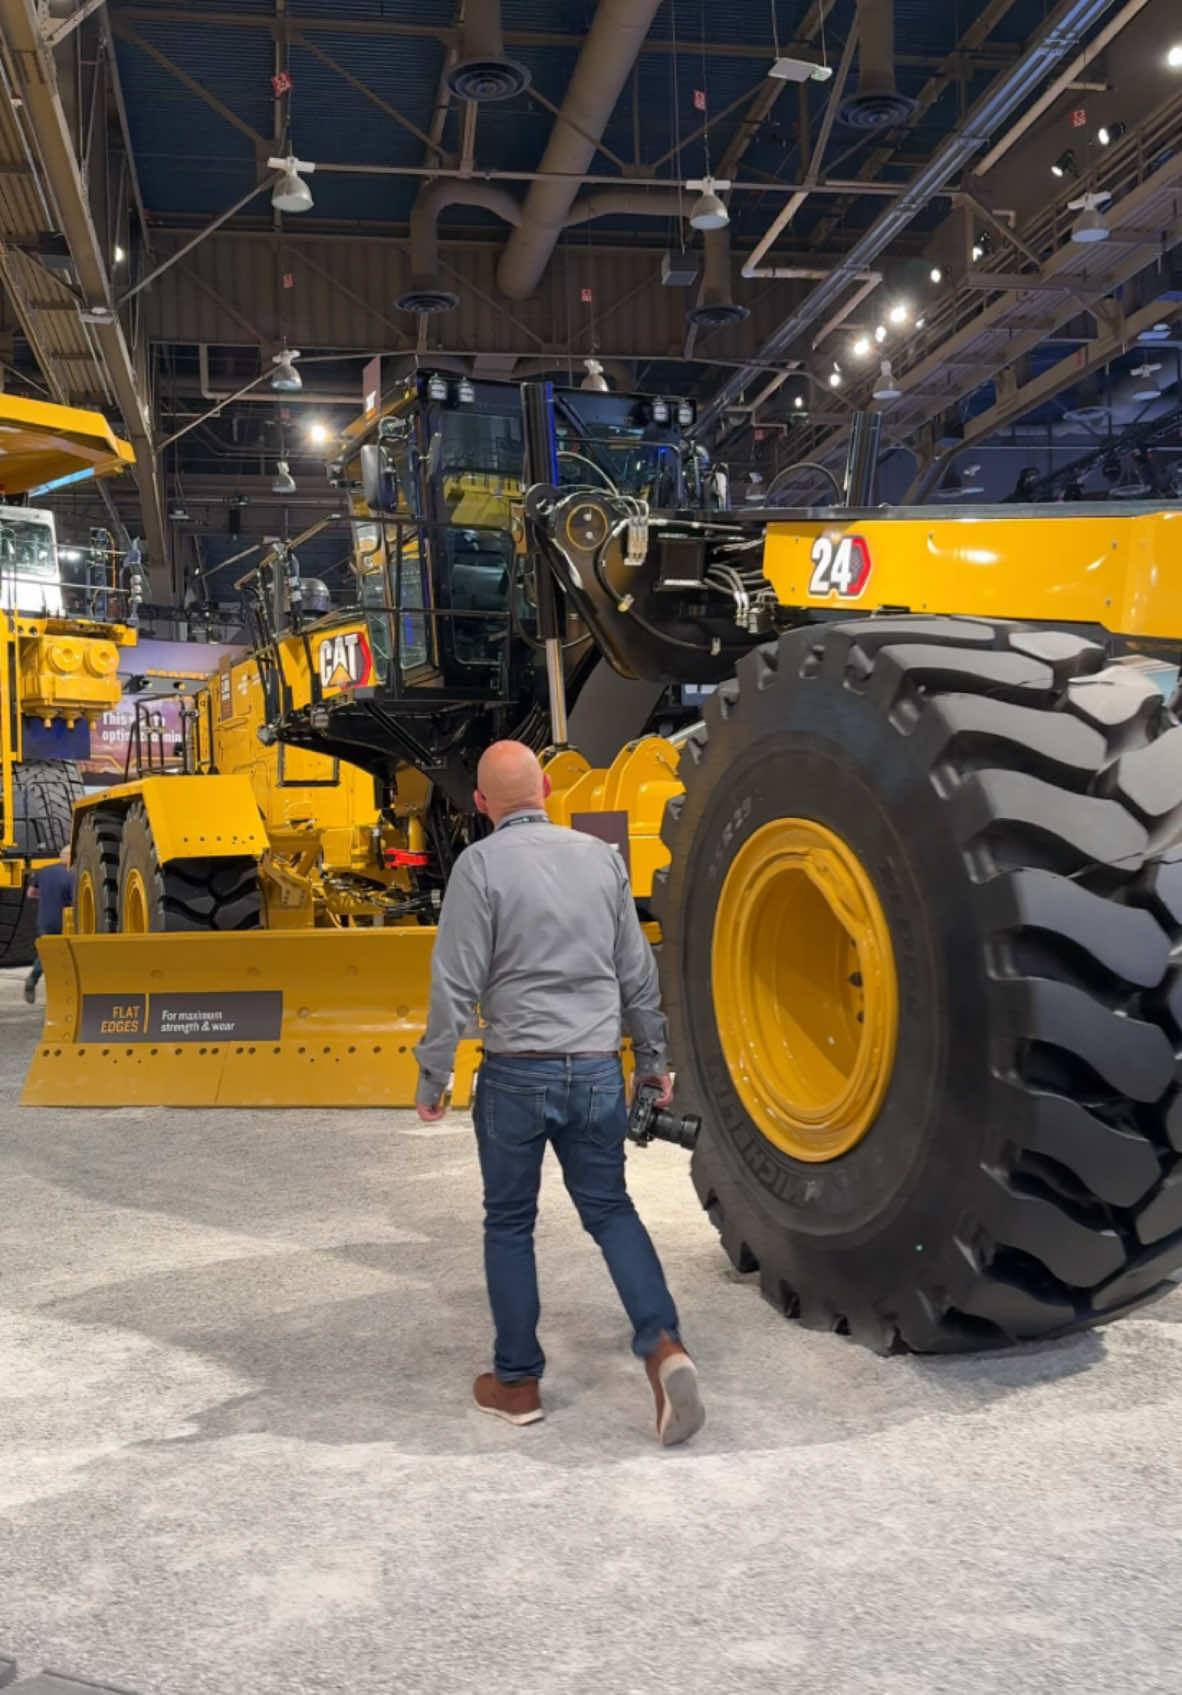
pixel 671 1127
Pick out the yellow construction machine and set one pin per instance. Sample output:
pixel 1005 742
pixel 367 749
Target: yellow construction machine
pixel 917 864
pixel 65 611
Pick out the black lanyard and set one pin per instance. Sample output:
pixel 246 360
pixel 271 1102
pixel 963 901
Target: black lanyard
pixel 523 818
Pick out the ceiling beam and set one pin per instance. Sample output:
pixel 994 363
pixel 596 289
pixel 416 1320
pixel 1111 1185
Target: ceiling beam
pixel 125 32
pixel 688 45
pixel 1093 356
pixel 36 80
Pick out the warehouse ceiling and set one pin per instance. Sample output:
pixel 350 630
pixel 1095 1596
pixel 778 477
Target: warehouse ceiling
pixel 909 202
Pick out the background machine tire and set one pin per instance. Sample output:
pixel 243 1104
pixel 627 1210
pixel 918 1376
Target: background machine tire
pixel 44 792
pixel 96 873
pixel 185 894
pixel 1016 805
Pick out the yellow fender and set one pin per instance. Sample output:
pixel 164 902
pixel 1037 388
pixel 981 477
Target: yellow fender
pixel 640 781
pixel 191 817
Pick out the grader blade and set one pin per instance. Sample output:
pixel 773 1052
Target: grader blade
pixel 258 1018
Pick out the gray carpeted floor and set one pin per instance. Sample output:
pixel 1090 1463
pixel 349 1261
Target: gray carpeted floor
pixel 237 1451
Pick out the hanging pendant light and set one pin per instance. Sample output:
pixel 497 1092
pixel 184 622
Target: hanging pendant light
pixel 285 379
pixel 886 388
pixel 284 481
pixel 1090 225
pixel 594 382
pixel 290 192
pixel 708 212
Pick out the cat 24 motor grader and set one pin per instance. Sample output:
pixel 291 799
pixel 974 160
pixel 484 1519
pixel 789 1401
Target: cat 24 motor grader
pixel 65 611
pixel 917 867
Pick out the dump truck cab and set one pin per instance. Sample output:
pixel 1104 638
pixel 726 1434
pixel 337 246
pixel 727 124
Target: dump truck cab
pixel 66 610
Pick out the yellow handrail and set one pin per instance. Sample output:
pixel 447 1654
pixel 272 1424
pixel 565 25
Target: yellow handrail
pixel 10 724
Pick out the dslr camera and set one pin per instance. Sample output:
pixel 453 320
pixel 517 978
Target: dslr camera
pixel 648 1122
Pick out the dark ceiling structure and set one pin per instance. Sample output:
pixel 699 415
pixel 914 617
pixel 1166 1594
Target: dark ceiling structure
pixel 964 216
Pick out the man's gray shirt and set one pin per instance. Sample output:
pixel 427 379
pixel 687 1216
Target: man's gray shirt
pixel 538 925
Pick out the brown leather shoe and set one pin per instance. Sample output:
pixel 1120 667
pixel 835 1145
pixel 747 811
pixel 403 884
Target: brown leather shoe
pixel 674 1377
pixel 516 1403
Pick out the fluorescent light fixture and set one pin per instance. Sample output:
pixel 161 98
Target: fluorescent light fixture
pixel 62 482
pixel 800 70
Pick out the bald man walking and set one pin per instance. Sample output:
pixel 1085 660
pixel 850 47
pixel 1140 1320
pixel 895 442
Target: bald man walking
pixel 538 926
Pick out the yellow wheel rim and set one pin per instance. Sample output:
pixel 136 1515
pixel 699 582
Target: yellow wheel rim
pixel 805 992
pixel 135 904
pixel 85 906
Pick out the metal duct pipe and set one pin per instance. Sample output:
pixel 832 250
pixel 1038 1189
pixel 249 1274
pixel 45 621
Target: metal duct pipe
pixel 608 55
pixel 482 70
pixel 621 202
pixel 1061 35
pixel 426 293
pixel 715 305
pixel 876 102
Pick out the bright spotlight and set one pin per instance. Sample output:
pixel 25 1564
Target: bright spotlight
pixel 835 379
pixel 1174 57
pixel 936 274
pixel 862 346
pixel 318 433
pixel 898 314
pixel 880 333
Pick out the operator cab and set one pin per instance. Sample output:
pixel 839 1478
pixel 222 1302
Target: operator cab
pixel 44 579
pixel 435 482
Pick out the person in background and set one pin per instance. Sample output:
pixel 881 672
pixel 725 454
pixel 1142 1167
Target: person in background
pixel 53 889
pixel 539 926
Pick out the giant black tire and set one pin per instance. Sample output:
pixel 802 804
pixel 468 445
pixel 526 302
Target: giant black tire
pixel 1017 805
pixel 96 872
pixel 184 894
pixel 43 796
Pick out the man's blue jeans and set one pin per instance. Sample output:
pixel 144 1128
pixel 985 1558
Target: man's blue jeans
pixel 579 1106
